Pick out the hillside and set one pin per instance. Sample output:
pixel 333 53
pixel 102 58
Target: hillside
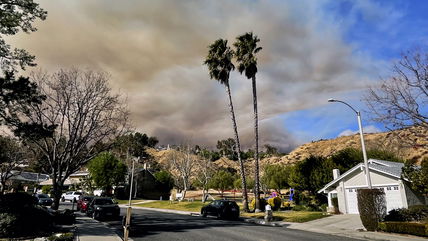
pixel 388 141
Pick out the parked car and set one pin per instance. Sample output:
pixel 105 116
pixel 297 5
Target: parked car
pixel 83 202
pixel 103 207
pixel 221 209
pixel 43 199
pixel 70 196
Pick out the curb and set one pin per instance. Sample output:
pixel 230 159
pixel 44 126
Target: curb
pixel 262 222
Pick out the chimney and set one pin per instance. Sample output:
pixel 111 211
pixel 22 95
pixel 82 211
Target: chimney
pixel 336 174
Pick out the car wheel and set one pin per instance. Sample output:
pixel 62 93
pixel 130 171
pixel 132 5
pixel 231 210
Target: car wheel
pixel 219 215
pixel 74 200
pixel 62 199
pixel 204 213
pixel 95 215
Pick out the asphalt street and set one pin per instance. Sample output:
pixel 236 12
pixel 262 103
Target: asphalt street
pixel 151 225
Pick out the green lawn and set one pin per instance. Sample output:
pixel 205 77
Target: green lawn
pixel 290 216
pixel 127 201
pixel 182 206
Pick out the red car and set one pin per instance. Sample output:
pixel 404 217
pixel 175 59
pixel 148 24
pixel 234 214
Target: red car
pixel 82 203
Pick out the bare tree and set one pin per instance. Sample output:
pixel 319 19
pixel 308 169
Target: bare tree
pixel 401 100
pixel 182 164
pixel 87 116
pixel 205 169
pixel 12 155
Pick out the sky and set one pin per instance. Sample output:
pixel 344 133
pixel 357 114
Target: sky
pixel 154 50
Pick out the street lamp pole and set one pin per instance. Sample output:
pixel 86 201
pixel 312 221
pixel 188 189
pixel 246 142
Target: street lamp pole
pixel 128 210
pixel 363 146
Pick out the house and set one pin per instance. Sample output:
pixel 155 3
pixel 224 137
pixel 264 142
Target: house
pixel 384 174
pixel 25 180
pixel 146 186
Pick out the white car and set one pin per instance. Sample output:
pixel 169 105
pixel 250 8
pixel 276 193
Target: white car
pixel 71 196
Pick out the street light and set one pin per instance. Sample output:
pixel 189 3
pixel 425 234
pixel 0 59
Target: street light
pixel 128 210
pixel 363 146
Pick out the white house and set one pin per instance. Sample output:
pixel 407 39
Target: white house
pixel 384 174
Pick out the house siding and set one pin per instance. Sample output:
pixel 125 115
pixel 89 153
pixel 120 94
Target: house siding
pixel 412 197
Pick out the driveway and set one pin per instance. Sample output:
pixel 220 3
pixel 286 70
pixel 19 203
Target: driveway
pixel 348 225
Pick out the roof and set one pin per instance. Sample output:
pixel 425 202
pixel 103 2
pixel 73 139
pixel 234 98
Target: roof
pixel 29 176
pixel 392 169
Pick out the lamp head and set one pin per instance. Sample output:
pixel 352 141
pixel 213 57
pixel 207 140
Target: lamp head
pixel 331 100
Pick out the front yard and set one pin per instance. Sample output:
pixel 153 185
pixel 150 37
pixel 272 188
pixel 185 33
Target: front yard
pixel 287 216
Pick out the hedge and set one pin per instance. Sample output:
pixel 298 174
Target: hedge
pixel 371 206
pixel 418 229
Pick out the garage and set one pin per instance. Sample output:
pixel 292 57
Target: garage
pixel 383 174
pixel 392 198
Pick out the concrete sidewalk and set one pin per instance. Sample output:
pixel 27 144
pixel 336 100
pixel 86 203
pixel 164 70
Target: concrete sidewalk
pixel 347 225
pixel 93 230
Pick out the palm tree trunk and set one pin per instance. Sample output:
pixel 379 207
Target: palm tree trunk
pixel 256 154
pixel 238 150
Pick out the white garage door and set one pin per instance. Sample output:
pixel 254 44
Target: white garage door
pixel 393 197
pixel 352 201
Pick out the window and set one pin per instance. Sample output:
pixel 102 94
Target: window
pixel 388 188
pixel 395 188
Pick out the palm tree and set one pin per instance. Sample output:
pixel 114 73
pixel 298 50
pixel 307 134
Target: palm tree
pixel 246 50
pixel 219 62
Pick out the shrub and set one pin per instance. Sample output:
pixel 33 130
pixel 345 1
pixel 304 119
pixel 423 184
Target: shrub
pixel 275 202
pixel 419 229
pixel 262 204
pixel 15 201
pixel 398 215
pixel 418 212
pixel 65 217
pixel 7 225
pixel 371 206
pixel 47 189
pixel 62 237
pixel 300 208
pixel 20 216
pixel 413 213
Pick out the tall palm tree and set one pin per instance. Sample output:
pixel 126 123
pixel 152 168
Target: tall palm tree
pixel 219 62
pixel 246 50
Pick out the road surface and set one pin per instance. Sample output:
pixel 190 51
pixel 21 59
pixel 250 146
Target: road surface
pixel 151 225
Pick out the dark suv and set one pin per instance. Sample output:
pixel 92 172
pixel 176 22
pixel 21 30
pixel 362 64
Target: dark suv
pixel 221 209
pixel 103 207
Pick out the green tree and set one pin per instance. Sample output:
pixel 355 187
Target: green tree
pixel 15 16
pixel 222 181
pixel 417 175
pixel 311 174
pixel 246 50
pixel 165 181
pixel 227 148
pixel 219 62
pixel 107 171
pixel 271 150
pixel 276 177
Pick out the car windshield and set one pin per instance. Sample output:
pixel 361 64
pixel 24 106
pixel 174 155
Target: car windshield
pixel 103 201
pixel 42 196
pixel 88 198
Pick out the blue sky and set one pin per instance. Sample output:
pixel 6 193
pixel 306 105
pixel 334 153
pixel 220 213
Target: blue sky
pixel 380 30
